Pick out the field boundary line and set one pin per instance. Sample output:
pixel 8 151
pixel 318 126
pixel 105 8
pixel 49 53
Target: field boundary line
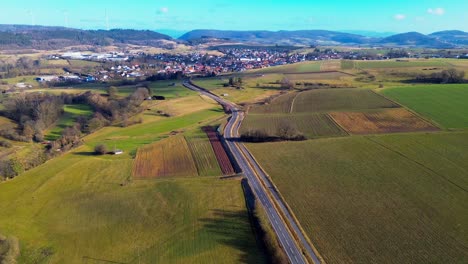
pixel 291 109
pixel 428 120
pixel 288 208
pixel 418 163
pixel 337 124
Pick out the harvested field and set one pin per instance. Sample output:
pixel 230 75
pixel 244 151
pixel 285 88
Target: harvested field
pixel 170 157
pixel 220 152
pixel 381 121
pixel 311 125
pixel 323 100
pixel 205 158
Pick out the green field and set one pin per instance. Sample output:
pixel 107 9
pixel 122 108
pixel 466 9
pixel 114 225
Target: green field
pixel 377 199
pixel 311 125
pixel 81 208
pixel 443 104
pixel 324 100
pixel 71 112
pixel 321 100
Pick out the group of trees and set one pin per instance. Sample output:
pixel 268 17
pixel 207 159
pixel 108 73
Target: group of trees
pixel 285 131
pixel 287 84
pixel 22 66
pixel 34 113
pixel 446 76
pixel 235 82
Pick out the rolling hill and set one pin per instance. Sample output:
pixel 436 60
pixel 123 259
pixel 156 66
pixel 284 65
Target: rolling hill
pixel 42 37
pixel 415 39
pixel 453 36
pixel 304 37
pixel 443 39
pixel 45 37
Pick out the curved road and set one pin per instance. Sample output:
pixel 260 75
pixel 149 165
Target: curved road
pixel 261 184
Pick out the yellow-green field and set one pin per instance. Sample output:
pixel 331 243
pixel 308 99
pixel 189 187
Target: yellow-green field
pixel 378 199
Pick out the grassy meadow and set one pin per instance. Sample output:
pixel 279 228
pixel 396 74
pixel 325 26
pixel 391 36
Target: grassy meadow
pixel 71 112
pixel 82 208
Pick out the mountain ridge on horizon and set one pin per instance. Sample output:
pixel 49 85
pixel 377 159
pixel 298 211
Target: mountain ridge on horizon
pixel 27 35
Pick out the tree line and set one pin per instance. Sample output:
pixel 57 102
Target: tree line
pixel 34 113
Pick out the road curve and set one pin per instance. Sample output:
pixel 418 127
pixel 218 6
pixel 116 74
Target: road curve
pixel 258 180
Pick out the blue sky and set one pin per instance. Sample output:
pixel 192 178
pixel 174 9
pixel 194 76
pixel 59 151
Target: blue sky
pixel 372 15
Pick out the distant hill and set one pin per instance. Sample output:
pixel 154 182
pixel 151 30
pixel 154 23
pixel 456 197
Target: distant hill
pixel 303 37
pixel 453 36
pixel 444 39
pixel 44 37
pixel 41 37
pixel 415 39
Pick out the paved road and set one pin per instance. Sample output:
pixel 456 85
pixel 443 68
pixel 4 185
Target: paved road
pixel 255 175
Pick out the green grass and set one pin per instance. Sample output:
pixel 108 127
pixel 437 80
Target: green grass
pixel 378 199
pixel 29 79
pixel 311 125
pixel 443 104
pixel 71 112
pixel 73 209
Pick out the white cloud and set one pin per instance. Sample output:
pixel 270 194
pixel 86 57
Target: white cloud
pixel 164 10
pixel 399 16
pixel 436 11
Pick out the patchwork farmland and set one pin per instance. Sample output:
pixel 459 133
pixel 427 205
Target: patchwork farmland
pixel 377 199
pixel 444 104
pixel 220 152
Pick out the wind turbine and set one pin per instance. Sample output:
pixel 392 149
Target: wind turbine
pixel 65 16
pixel 107 20
pixel 31 14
